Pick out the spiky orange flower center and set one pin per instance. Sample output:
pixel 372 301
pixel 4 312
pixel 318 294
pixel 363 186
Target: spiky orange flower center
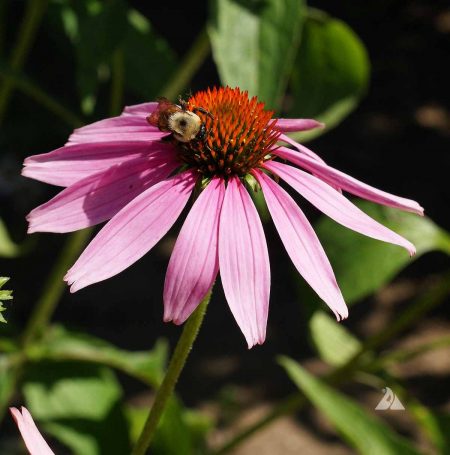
pixel 237 136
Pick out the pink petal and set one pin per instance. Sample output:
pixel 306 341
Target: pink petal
pixel 132 232
pixel 335 205
pixel 348 183
pixel 140 109
pixel 244 262
pixel 308 152
pixel 300 148
pixel 290 125
pixel 67 165
pixel 131 125
pixel 33 439
pixel 194 262
pixel 302 244
pixel 99 196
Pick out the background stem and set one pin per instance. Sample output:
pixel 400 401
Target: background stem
pixel 54 287
pixel 190 64
pixel 25 37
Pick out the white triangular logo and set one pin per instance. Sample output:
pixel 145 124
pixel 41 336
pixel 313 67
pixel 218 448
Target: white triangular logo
pixel 389 401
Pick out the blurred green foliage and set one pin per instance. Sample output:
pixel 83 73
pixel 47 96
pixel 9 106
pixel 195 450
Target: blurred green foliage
pixel 302 63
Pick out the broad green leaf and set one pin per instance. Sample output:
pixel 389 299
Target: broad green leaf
pixel 254 44
pixel 334 343
pixel 149 61
pixel 62 344
pixel 362 265
pixel 78 404
pixel 364 431
pixel 331 72
pixel 8 249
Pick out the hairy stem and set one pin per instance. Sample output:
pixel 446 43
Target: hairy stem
pixel 167 387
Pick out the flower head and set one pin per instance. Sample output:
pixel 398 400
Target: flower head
pixel 140 177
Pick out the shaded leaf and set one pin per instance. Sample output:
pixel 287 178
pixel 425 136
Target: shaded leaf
pixel 96 29
pixel 365 432
pixel 190 428
pixel 78 404
pixel 331 72
pixel 4 295
pixel 62 344
pixel 149 60
pixel 254 44
pixel 7 382
pixel 362 265
pixel 8 248
pixel 334 343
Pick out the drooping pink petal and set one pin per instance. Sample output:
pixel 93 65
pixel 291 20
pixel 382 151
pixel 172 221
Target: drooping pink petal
pixel 99 196
pixel 308 152
pixel 335 205
pixel 302 244
pixel 33 439
pixel 244 262
pixel 67 165
pixel 347 182
pixel 290 125
pixel 194 262
pixel 132 232
pixel 300 148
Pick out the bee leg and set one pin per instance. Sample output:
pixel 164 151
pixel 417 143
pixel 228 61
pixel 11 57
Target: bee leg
pixel 203 111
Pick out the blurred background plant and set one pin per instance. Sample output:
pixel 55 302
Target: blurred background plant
pixel 81 363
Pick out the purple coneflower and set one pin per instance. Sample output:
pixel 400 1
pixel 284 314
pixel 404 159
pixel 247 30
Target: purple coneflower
pixel 140 178
pixel 33 439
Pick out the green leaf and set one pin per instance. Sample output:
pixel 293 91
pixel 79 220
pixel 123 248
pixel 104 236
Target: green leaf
pixel 8 249
pixel 4 295
pixel 62 344
pixel 7 382
pixel 331 72
pixel 334 343
pixel 363 431
pixel 190 428
pixel 96 29
pixel 149 61
pixel 362 265
pixel 254 44
pixel 78 404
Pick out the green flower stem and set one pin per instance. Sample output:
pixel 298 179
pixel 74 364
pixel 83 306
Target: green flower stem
pixel 54 287
pixel 33 15
pixel 177 362
pixel 432 297
pixel 190 64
